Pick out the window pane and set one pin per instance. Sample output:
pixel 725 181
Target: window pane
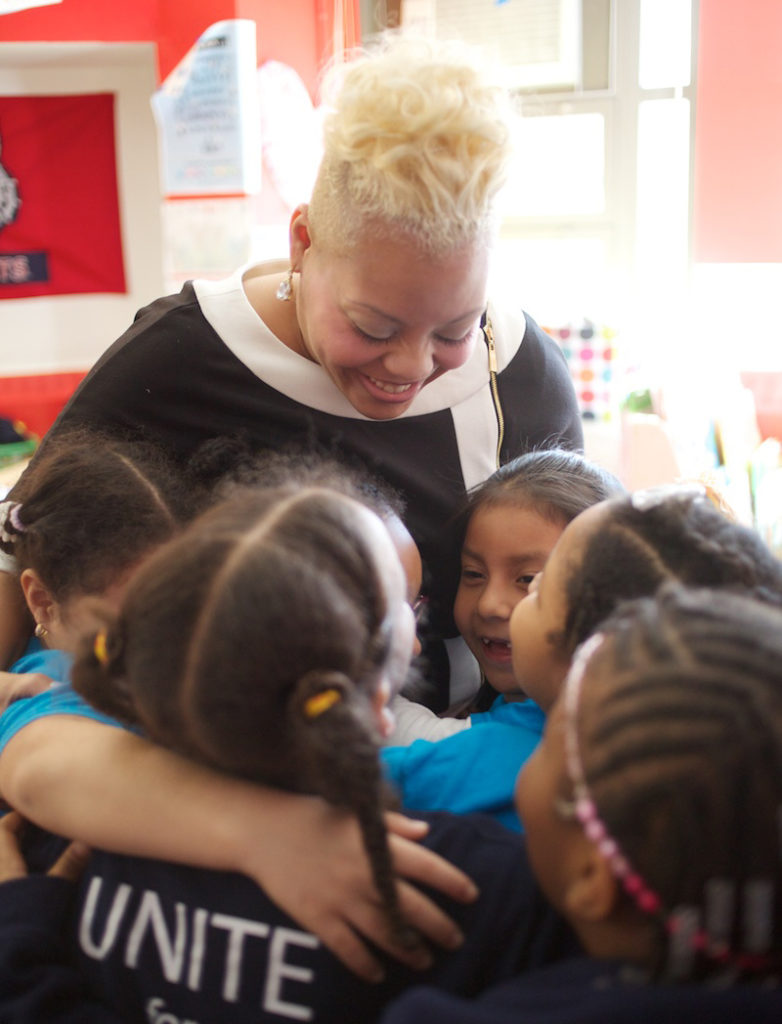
pixel 537 41
pixel 555 279
pixel 663 190
pixel 559 167
pixel 666 31
pixel 736 310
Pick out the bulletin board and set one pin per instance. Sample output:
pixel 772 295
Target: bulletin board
pixel 59 207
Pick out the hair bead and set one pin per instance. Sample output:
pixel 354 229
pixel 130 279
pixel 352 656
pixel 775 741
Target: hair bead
pixel 100 648
pixel 321 702
pixel 720 900
pixel 682 926
pixel 585 809
pixel 758 925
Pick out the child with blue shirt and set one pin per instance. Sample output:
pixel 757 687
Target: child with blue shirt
pixel 265 641
pixel 513 521
pixel 85 515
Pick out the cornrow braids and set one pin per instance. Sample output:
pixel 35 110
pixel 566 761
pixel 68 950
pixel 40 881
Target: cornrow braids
pixel 338 759
pixel 255 643
pixel 643 542
pixel 680 728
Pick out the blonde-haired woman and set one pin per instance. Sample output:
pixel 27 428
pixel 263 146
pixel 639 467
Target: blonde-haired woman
pixel 376 337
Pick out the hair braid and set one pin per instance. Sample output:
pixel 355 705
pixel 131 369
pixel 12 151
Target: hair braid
pixel 337 755
pixel 683 756
pixel 640 546
pixel 256 641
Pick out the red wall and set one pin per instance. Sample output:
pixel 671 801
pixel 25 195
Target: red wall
pixel 83 20
pixel 286 31
pixel 738 133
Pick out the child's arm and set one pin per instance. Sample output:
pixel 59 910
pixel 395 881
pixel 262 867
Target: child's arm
pixel 112 789
pixel 414 721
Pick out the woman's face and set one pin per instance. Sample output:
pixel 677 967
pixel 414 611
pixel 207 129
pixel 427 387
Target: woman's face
pixel 385 319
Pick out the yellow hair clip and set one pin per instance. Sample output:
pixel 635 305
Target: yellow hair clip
pixel 321 702
pixel 99 648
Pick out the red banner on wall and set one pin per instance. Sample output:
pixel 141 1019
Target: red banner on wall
pixel 59 207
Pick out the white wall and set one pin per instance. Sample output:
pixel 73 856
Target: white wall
pixel 69 332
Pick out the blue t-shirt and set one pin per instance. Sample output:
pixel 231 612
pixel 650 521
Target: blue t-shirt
pixel 59 699
pixel 37 658
pixel 473 771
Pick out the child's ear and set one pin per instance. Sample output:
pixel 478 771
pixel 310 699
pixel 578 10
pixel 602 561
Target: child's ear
pixel 38 597
pixel 592 892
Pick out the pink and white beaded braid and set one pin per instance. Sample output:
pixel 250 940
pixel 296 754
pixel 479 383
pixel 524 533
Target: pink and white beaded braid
pixel 584 806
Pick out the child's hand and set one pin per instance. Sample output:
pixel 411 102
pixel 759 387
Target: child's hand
pixel 14 685
pixel 69 864
pixel 318 872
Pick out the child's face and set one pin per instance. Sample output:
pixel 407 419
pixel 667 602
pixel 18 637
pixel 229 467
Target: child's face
pixel 539 662
pixel 504 548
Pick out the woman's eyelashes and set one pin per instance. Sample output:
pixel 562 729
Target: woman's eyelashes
pixel 445 340
pixel 379 338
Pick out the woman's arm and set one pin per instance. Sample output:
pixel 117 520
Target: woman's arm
pixel 15 627
pixel 114 790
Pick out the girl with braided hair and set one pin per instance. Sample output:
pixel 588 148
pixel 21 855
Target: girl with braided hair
pixel 624 548
pixel 652 811
pixel 617 549
pixel 88 513
pixel 302 594
pixel 264 643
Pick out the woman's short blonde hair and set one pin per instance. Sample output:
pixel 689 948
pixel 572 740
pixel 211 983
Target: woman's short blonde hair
pixel 416 144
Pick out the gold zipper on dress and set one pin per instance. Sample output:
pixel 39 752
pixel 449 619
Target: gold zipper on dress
pixel 495 393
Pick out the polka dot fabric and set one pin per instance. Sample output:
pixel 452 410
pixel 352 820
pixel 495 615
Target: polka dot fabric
pixel 590 351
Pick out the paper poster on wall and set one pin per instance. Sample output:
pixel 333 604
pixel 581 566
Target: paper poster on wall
pixel 12 6
pixel 59 206
pixel 207 116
